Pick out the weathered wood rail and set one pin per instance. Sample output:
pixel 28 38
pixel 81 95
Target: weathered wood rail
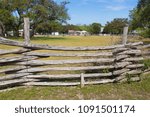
pixel 83 65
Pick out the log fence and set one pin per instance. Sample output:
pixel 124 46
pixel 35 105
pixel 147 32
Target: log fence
pixel 28 66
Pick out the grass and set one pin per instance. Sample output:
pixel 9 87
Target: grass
pixel 77 40
pixel 134 90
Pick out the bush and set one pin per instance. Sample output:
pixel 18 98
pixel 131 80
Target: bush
pixel 145 33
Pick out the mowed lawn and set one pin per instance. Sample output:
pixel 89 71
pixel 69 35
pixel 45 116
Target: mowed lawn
pixel 134 90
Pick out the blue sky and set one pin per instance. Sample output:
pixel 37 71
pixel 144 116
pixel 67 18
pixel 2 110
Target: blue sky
pixel 101 11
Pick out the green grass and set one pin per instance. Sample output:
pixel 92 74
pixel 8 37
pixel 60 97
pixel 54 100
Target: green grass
pixel 134 90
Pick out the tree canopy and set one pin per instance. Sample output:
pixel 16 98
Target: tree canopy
pixel 95 28
pixel 40 12
pixel 115 26
pixel 140 17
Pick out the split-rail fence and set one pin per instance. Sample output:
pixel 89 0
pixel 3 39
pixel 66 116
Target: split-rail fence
pixel 29 65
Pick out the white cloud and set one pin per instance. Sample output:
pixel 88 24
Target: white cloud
pixel 116 8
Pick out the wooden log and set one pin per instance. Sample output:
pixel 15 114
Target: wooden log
pixel 52 84
pixel 11 59
pixel 124 79
pixel 82 80
pixel 146 46
pixel 125 35
pixel 134 66
pixel 120 72
pixel 26 31
pixel 119 78
pixel 133 79
pixel 146 57
pixel 14 69
pixel 146 72
pixel 103 81
pixel 103 54
pixel 121 64
pixel 146 53
pixel 121 57
pixel 131 52
pixel 135 59
pixel 16 59
pixel 10 83
pixel 56 62
pixel 134 72
pixel 70 76
pixel 39 69
pixel 134 44
pixel 14 51
pixel 13 76
pixel 118 50
pixel 47 47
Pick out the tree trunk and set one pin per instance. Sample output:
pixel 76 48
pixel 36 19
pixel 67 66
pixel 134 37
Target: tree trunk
pixel 2 29
pixel 16 32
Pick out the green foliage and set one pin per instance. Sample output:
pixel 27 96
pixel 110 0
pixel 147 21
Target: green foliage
pixel 85 27
pixel 115 26
pixel 128 76
pixel 140 17
pixel 67 27
pixel 145 33
pixel 95 28
pixel 6 20
pixel 146 64
pixel 40 12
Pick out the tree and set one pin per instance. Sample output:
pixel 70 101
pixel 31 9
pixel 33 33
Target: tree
pixel 39 11
pixel 6 20
pixel 49 27
pixel 115 26
pixel 70 27
pixel 140 17
pixel 95 28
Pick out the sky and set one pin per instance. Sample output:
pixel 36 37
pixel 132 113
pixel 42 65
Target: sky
pixel 100 11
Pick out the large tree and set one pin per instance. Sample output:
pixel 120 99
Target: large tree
pixel 39 12
pixel 95 28
pixel 140 17
pixel 6 19
pixel 115 26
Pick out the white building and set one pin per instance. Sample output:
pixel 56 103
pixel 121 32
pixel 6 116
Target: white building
pixel 55 33
pixel 78 33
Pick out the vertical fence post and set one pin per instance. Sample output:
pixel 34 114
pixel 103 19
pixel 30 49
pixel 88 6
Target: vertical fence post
pixel 125 35
pixel 82 80
pixel 26 31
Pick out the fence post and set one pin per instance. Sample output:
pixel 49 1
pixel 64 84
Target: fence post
pixel 82 80
pixel 125 35
pixel 26 31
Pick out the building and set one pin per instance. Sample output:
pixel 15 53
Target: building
pixel 55 33
pixel 77 33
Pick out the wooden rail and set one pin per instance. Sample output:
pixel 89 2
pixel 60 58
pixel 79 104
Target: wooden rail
pixel 106 64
